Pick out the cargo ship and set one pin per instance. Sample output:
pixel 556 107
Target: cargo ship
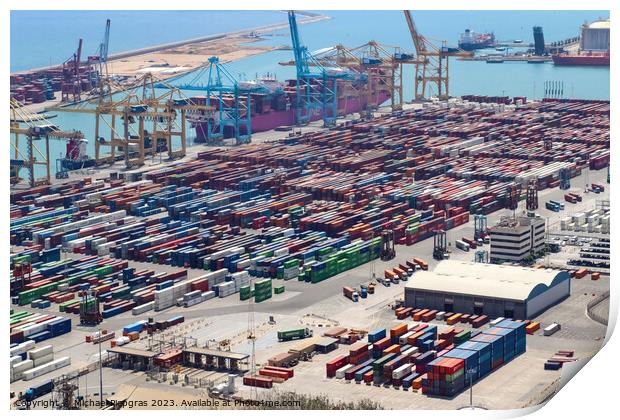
pixel 471 40
pixel 274 106
pixel 581 59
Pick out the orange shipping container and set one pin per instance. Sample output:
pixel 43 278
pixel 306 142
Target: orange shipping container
pixel 532 327
pixel 454 319
pixel 399 330
pixel 417 383
pixel 392 349
pixel 418 316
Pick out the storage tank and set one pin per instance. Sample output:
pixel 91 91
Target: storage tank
pixel 595 36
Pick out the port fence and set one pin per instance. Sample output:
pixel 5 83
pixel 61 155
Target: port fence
pixel 592 313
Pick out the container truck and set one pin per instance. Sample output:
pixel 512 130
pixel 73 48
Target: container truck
pixel 472 244
pixel 598 187
pixel 423 264
pixel 570 199
pixel 553 207
pixel 294 334
pixel 557 203
pixel 351 293
pixel 35 392
pixel 462 245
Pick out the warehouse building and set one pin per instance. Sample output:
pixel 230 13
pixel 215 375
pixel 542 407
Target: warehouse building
pixel 514 239
pixel 595 36
pixel 489 289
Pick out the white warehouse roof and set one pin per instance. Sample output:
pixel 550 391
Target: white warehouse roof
pixel 490 280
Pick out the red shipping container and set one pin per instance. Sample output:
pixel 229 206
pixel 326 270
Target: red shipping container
pixel 290 372
pixel 202 285
pixel 273 373
pixel 258 381
pixel 333 365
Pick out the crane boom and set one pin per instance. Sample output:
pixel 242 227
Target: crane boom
pixel 103 53
pixel 418 41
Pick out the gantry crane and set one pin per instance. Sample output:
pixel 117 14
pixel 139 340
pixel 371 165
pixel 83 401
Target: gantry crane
pixel 231 98
pixel 383 66
pixel 432 68
pixel 127 119
pixel 317 87
pixel 71 76
pixel 377 70
pixel 35 129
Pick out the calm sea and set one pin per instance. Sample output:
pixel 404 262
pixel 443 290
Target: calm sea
pixel 39 38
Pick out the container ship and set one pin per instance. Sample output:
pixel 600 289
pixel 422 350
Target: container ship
pixel 593 47
pixel 471 40
pixel 275 106
pixel 583 59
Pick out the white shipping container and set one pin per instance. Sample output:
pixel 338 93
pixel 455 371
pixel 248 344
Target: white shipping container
pixel 209 295
pixel 36 328
pixel 402 371
pixel 43 360
pixel 23 366
pixel 410 351
pixel 496 321
pixel 551 329
pixel 120 341
pixel 46 368
pixel 23 347
pixel 403 338
pixel 340 372
pixel 439 316
pixel 14 360
pixel 138 310
pixel 15 376
pixel 40 352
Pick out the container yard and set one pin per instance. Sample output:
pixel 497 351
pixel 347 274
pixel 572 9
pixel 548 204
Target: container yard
pixel 347 256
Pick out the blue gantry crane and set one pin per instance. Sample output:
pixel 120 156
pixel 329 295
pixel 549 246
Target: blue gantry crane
pixel 231 99
pixel 317 86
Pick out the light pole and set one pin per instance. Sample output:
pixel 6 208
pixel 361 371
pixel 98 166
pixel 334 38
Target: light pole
pixel 470 373
pixel 100 373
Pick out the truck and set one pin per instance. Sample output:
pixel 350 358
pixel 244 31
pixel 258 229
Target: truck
pixel 576 196
pixel 472 244
pixel 553 207
pixel 351 293
pixel 570 199
pixel 294 334
pixel 462 245
pixel 37 391
pixel 402 274
pixel 557 203
pixel 423 264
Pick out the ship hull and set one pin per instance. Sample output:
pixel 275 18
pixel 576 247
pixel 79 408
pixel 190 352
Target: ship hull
pixel 273 119
pixel 469 46
pixel 580 60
